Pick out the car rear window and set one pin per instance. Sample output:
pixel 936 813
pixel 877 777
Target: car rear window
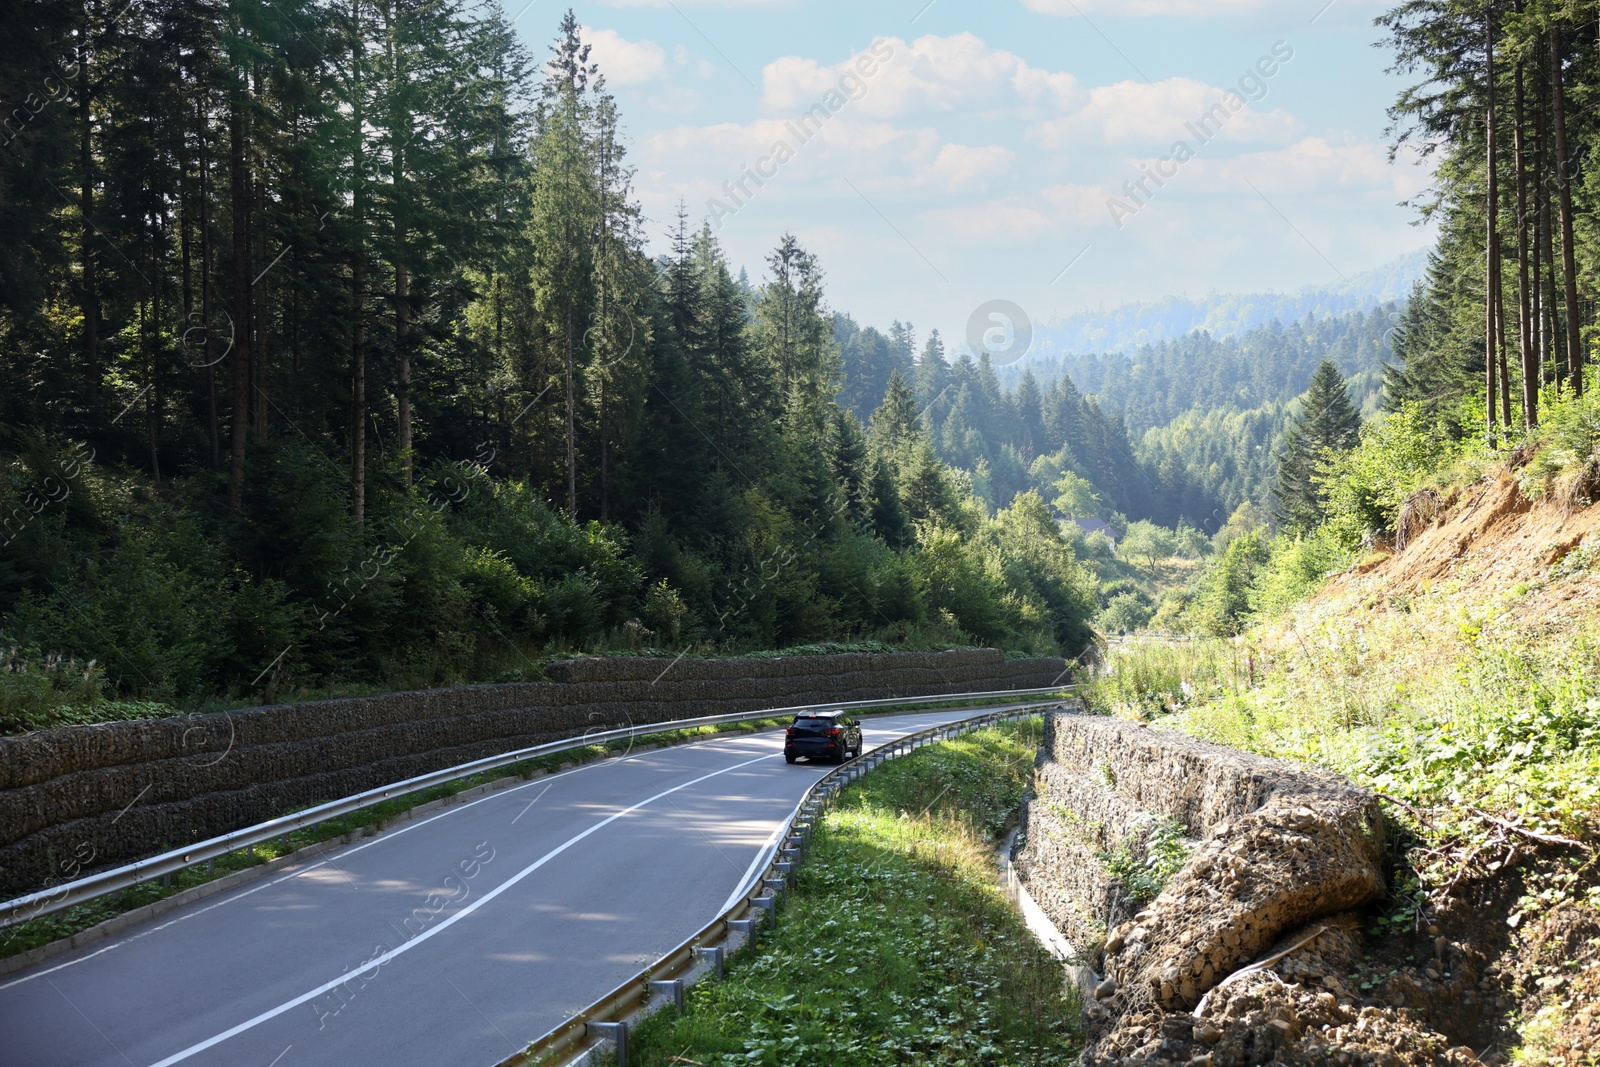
pixel 814 723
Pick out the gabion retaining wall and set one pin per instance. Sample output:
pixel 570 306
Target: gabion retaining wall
pixel 1277 848
pixel 76 799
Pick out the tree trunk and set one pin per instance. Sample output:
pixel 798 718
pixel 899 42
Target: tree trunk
pixel 152 396
pixel 91 296
pixel 213 431
pixel 572 424
pixel 358 273
pixel 1530 360
pixel 399 127
pixel 605 335
pixel 1536 311
pixel 402 334
pixel 402 337
pixel 1491 238
pixel 239 201
pixel 260 267
pixel 1569 265
pixel 1547 279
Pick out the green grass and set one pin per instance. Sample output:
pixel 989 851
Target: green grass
pixel 896 945
pixel 1445 706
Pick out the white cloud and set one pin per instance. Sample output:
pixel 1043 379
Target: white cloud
pixel 703 68
pixel 695 3
pixel 1052 215
pixel 728 147
pixel 1188 9
pixel 931 74
pixel 1182 8
pixel 964 168
pixel 1314 165
pixel 1132 112
pixel 1078 205
pixel 1000 222
pixel 625 62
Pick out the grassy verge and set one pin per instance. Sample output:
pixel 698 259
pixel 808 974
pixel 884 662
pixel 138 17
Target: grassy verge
pixel 896 945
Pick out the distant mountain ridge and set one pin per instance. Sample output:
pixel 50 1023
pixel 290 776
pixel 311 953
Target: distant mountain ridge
pixel 1126 328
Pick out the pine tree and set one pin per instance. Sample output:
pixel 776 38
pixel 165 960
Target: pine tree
pixel 896 425
pixel 564 210
pixel 932 378
pixel 1327 425
pixel 1029 434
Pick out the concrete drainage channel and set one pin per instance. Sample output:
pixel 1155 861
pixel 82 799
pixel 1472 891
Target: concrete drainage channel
pixel 606 1022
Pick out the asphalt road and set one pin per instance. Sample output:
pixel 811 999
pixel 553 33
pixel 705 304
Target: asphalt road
pixel 454 939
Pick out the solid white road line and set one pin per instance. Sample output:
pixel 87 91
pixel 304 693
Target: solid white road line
pixel 383 838
pixel 312 994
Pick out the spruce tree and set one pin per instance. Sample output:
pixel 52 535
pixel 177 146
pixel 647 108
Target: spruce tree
pixel 1327 425
pixel 1029 433
pixel 896 424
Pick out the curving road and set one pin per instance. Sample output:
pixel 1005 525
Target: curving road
pixel 454 939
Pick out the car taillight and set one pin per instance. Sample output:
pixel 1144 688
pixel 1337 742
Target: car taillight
pixel 835 732
pixel 789 732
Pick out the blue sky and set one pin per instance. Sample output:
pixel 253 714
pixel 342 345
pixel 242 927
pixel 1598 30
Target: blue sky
pixel 968 151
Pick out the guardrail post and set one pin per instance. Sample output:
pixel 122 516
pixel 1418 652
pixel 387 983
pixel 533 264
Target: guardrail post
pixel 777 885
pixel 615 1032
pixel 770 905
pixel 673 987
pixel 715 955
pixel 747 927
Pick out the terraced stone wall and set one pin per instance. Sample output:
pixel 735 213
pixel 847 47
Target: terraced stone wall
pixel 89 797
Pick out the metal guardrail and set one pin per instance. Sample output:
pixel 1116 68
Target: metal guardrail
pixel 605 1019
pixel 95 886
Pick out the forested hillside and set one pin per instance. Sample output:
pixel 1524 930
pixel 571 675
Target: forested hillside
pixel 330 357
pixel 1209 413
pixel 1183 431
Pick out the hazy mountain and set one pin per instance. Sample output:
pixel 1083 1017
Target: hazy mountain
pixel 1126 328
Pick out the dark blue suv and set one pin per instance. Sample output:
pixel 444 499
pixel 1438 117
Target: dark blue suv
pixel 822 735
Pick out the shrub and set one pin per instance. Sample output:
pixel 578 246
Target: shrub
pixel 1296 566
pixel 1569 428
pixel 34 685
pixel 1147 541
pixel 1222 598
pixel 1365 487
pixel 664 612
pixel 1125 613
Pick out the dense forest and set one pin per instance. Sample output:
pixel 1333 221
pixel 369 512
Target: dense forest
pixel 1182 431
pixel 330 356
pixel 1504 104
pixel 1209 413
